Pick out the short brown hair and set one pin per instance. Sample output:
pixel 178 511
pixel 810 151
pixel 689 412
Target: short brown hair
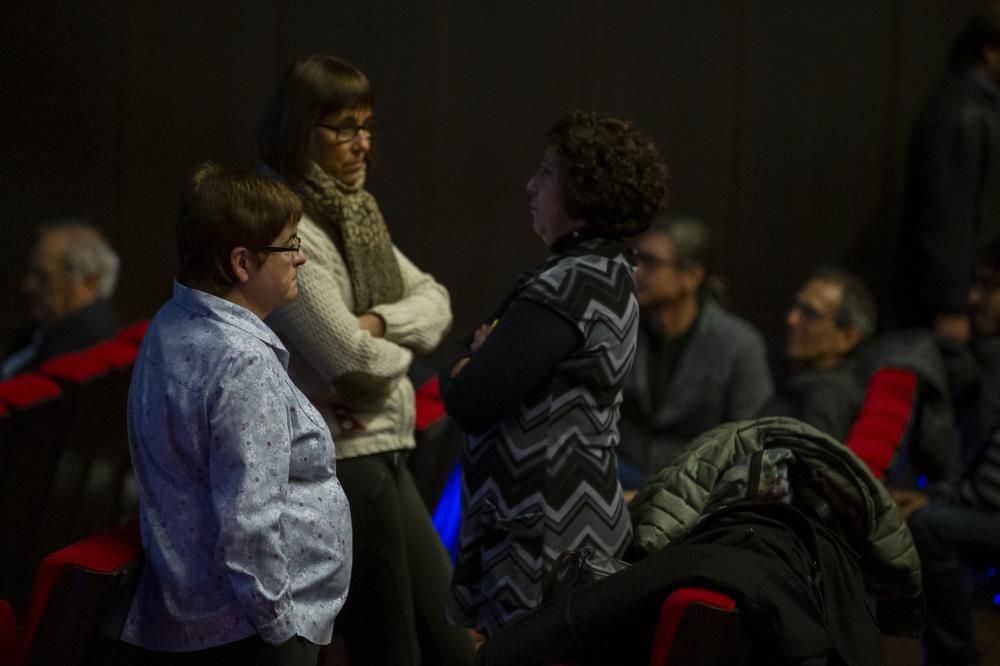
pixel 310 88
pixel 222 209
pixel 610 172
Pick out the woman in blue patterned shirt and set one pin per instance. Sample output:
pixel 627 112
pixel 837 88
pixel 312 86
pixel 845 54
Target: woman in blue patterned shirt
pixel 245 527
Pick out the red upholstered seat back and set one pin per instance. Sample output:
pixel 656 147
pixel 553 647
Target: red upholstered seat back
pixel 883 422
pixel 32 438
pixel 428 403
pixel 55 613
pixel 114 353
pixel 698 627
pixel 86 491
pixel 28 390
pixel 134 332
pixel 74 368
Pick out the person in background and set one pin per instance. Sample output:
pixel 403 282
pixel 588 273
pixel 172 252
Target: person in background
pixel 363 310
pixel 832 314
pixel 538 386
pixel 951 205
pixel 697 365
pixel 245 528
pixel 956 524
pixel 72 274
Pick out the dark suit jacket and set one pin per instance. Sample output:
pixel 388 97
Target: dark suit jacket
pixel 721 375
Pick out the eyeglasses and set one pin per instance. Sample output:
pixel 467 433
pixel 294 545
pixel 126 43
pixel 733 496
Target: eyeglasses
pixel 347 133
pixel 808 312
pixel 294 245
pixel 650 261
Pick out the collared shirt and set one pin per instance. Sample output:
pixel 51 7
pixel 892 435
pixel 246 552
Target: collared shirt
pixel 244 523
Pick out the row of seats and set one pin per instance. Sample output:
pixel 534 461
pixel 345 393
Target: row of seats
pixel 64 457
pixel 69 419
pixel 80 595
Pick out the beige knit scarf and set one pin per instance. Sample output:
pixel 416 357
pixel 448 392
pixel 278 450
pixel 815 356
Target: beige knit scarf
pixel 354 216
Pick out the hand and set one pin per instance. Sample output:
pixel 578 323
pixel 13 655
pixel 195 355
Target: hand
pixel 953 326
pixel 458 366
pixel 908 501
pixel 479 337
pixel 372 323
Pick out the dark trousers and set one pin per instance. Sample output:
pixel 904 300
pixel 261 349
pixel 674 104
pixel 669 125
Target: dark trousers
pixel 252 651
pixel 949 539
pixel 395 610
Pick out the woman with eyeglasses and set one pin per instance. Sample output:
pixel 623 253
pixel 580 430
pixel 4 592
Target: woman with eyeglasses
pixel 363 310
pixel 539 386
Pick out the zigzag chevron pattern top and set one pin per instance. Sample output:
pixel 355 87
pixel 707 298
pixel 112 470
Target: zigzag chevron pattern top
pixel 545 479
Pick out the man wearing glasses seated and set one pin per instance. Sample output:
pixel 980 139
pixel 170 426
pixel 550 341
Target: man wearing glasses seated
pixel 697 365
pixel 956 523
pixel 833 312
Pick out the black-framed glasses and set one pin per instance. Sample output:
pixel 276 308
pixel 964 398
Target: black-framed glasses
pixel 294 245
pixel 347 133
pixel 651 261
pixel 808 312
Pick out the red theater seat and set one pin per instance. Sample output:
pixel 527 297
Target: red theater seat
pixel 134 332
pixel 34 434
pixel 439 443
pixel 78 603
pixel 86 491
pixel 74 368
pixel 699 627
pixel 27 391
pixel 116 354
pixel 429 407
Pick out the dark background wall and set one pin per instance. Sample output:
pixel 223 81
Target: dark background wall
pixel 783 122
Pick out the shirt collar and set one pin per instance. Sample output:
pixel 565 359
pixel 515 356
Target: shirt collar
pixel 237 316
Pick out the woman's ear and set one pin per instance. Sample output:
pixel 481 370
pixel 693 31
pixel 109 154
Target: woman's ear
pixel 241 264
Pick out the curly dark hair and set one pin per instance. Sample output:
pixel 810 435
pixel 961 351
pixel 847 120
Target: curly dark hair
pixel 610 172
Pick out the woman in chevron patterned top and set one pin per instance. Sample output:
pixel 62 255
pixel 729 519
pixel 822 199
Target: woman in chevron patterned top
pixel 538 387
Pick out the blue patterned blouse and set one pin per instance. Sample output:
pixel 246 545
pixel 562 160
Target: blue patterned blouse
pixel 244 523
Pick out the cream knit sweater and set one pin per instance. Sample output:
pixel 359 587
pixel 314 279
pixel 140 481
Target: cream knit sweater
pixel 356 381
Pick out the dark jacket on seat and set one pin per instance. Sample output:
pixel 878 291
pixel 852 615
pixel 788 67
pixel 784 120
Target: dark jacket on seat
pixel 797 586
pixel 676 498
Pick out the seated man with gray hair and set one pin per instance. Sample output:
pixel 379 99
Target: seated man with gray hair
pixel 697 365
pixel 72 273
pixel 833 312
